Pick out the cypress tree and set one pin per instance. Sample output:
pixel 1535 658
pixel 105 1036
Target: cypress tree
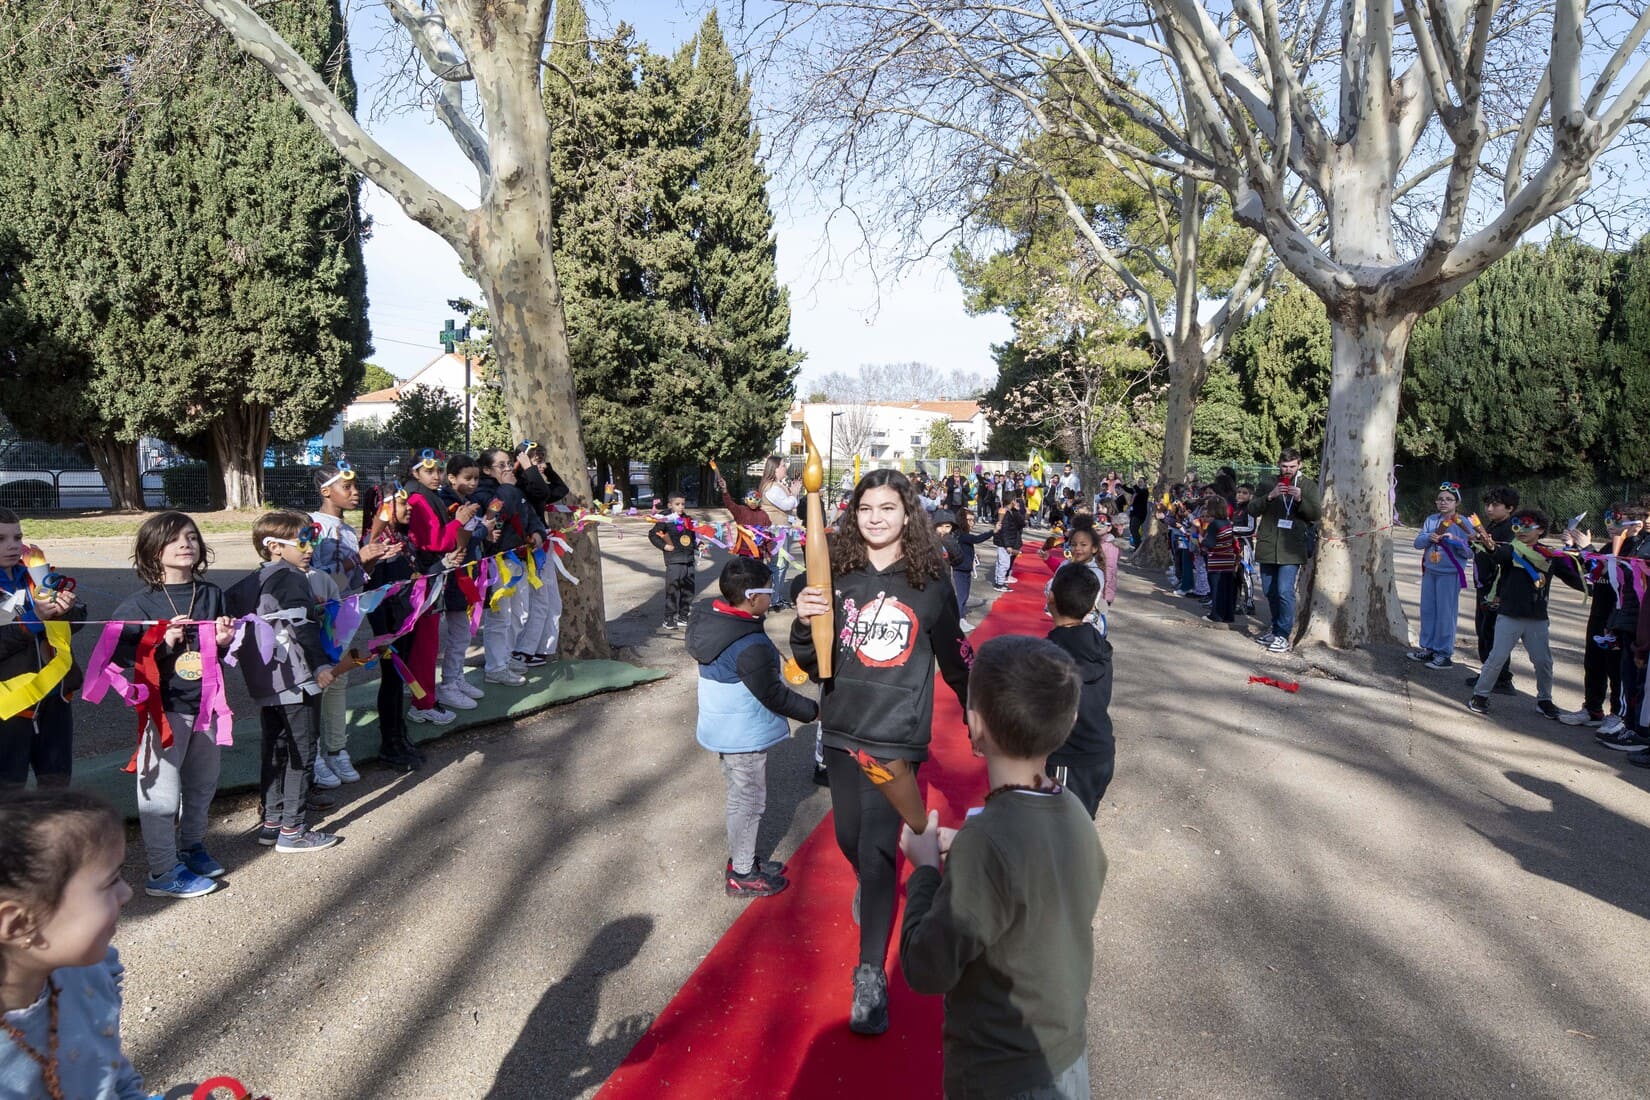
pixel 214 284
pixel 744 316
pixel 1507 375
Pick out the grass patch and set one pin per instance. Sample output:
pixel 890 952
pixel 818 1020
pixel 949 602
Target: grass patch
pixel 45 526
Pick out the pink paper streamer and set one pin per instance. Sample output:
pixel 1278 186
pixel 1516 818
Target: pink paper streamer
pixel 214 712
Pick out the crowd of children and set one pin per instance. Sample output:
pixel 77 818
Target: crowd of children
pixel 901 591
pixel 1211 534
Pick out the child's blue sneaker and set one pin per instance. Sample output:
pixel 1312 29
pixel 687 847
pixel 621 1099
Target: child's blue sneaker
pixel 181 883
pixel 199 862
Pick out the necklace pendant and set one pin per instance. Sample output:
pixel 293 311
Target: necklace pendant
pixel 188 666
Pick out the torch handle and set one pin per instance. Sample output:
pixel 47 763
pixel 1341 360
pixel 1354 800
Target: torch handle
pixel 819 576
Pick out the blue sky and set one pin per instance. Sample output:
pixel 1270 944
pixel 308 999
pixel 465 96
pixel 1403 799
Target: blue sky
pixel 839 315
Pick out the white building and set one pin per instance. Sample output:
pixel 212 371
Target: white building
pixel 445 372
pixel 883 433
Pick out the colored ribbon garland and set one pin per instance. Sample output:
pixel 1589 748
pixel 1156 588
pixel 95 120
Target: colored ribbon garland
pixel 24 691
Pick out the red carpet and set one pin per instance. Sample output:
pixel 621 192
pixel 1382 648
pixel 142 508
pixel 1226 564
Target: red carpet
pixel 766 1013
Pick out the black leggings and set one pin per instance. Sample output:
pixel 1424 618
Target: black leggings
pixel 867 831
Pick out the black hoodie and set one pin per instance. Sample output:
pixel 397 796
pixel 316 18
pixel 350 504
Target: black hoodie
pixel 1091 739
pixel 880 697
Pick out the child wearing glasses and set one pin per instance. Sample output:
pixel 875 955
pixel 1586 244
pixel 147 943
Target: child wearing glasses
pixel 743 707
pixel 1524 572
pixel 342 556
pixel 1446 552
pixel 286 680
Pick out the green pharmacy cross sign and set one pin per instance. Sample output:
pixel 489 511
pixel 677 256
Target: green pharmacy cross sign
pixel 452 335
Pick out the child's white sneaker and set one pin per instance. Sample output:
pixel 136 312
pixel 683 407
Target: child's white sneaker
pixel 434 716
pixel 324 775
pixel 468 688
pixel 453 699
pixel 341 766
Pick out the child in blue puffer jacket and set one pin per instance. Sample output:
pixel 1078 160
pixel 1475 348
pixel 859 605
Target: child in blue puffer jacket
pixel 743 707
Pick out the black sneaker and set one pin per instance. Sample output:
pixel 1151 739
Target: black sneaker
pixel 1504 686
pixel 758 884
pixel 1545 706
pixel 1640 759
pixel 869 1014
pixel 268 834
pixel 1623 740
pixel 531 660
pixel 1479 704
pixel 320 801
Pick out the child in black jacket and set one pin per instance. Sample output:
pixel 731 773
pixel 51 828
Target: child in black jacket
pixel 674 534
pixel 894 616
pixel 1519 594
pixel 1083 765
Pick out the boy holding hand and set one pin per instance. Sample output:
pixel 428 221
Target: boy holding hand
pixel 1006 933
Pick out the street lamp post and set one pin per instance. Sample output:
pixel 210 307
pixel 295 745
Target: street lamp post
pixel 830 449
pixel 451 337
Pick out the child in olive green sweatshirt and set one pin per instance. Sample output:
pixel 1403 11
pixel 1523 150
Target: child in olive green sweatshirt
pixel 1006 932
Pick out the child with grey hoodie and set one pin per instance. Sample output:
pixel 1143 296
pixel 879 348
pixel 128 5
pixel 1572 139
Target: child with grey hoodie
pixel 287 683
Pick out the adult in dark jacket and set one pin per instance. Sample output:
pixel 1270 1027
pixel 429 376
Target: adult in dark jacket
pixel 520 528
pixel 1011 526
pixel 1521 588
pixel 1283 507
pixel 894 616
pixel 541 487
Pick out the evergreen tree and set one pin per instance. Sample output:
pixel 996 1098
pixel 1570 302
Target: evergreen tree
pixel 1506 375
pixel 1624 359
pixel 209 286
pixel 744 318
pixel 1281 358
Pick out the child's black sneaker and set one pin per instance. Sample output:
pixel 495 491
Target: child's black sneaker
pixel 1545 706
pixel 268 834
pixel 759 883
pixel 869 1013
pixel 1479 704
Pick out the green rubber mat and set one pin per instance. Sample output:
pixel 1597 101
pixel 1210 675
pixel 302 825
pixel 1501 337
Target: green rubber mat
pixel 555 683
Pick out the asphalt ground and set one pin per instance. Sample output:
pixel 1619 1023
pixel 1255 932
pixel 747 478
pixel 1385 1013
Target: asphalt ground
pixel 1357 890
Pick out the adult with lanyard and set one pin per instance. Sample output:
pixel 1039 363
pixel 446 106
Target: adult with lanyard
pixel 1283 508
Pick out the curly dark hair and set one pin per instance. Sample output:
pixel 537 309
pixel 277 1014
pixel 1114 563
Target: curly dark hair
pixel 919 545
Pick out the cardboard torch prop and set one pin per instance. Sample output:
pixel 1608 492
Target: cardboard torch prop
pixel 818 555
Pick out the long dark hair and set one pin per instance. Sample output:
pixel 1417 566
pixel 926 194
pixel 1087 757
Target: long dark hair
pixel 156 533
pixel 919 545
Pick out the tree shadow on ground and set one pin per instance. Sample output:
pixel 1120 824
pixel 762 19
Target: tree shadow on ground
pixel 1577 843
pixel 556 1054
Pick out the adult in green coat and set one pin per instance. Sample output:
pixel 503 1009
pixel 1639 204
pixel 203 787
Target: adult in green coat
pixel 1283 508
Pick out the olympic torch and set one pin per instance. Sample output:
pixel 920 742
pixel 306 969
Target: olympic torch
pixel 819 555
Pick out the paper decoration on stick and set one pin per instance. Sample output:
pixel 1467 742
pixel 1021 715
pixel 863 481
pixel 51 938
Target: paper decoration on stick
pixel 818 553
pixel 898 784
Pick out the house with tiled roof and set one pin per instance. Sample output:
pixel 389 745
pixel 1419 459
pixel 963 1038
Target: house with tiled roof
pixel 882 433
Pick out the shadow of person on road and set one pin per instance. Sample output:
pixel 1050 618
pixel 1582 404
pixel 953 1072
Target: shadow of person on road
pixel 556 1054
pixel 1581 844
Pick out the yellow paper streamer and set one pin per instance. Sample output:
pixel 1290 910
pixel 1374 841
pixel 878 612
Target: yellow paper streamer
pixel 20 693
pixel 533 569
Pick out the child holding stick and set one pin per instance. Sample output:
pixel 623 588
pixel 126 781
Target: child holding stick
pixel 176 781
pixel 894 616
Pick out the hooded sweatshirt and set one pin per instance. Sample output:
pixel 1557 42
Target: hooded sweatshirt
pixel 1523 596
pixel 1091 739
pixel 743 700
pixel 289 674
pixel 201 600
pixel 676 537
pixel 519 520
pixel 888 635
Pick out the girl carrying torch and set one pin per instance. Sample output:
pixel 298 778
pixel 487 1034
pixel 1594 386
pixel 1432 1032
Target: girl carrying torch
pixel 893 616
